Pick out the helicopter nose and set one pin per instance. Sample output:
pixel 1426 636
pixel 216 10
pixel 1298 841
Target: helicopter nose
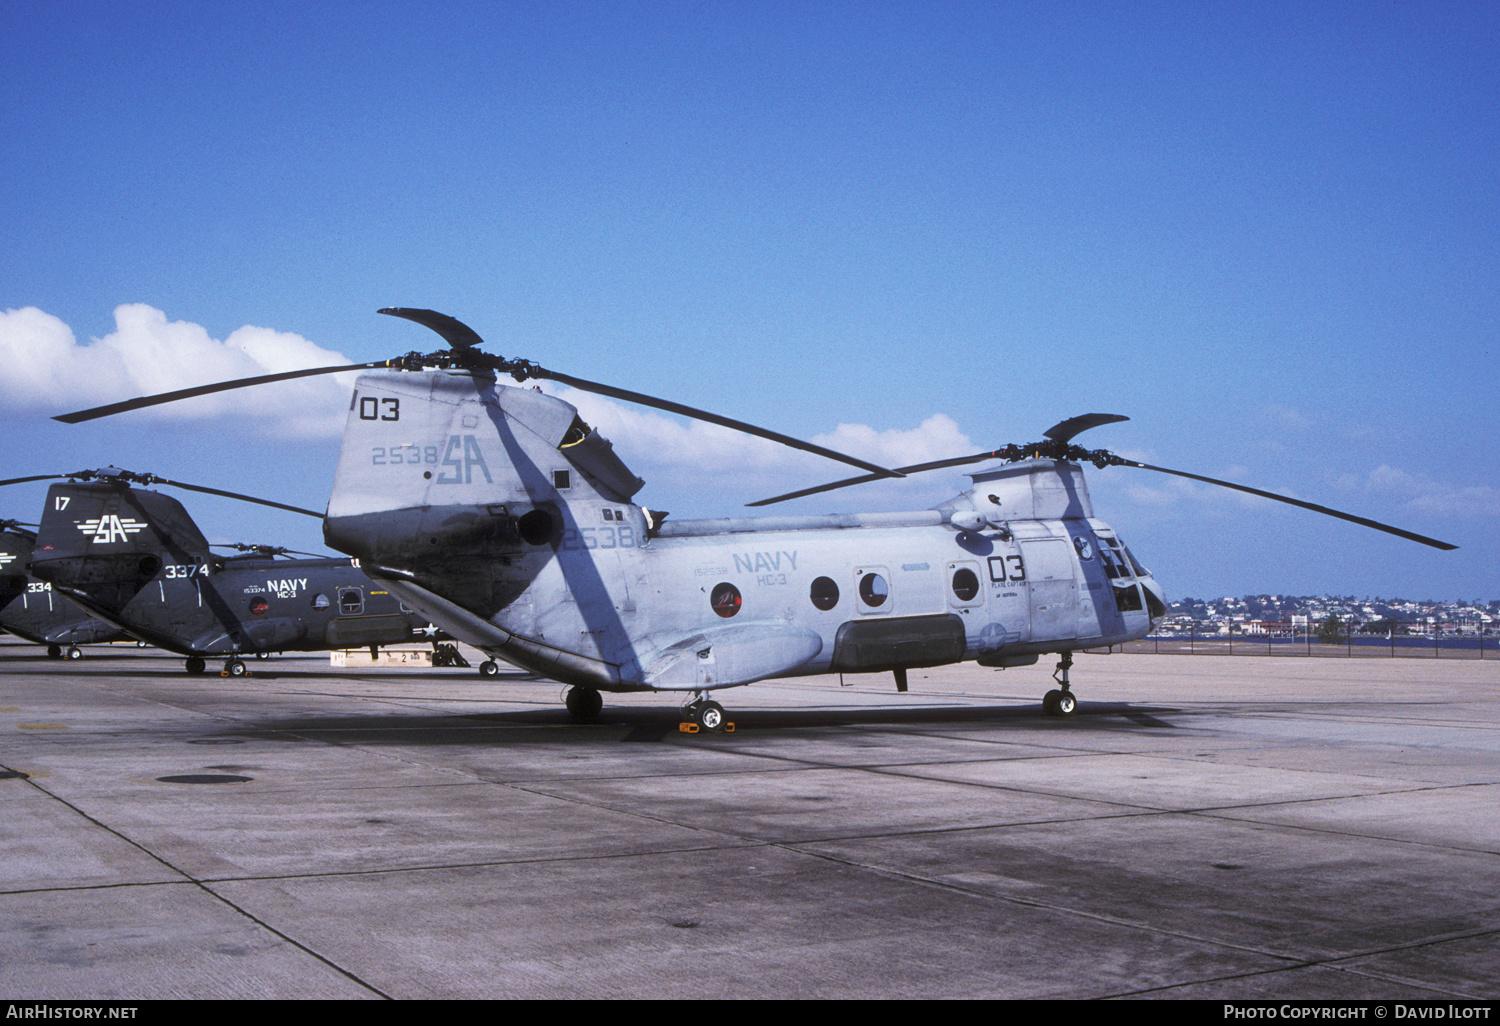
pixel 1156 598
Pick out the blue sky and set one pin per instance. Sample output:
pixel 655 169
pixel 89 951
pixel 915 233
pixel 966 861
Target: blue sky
pixel 1267 233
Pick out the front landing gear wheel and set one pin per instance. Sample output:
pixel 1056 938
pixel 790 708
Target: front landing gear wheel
pixel 584 703
pixel 701 715
pixel 236 668
pixel 1059 703
pixel 74 652
pixel 193 664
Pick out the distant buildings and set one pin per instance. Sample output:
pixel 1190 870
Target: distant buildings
pixel 1294 616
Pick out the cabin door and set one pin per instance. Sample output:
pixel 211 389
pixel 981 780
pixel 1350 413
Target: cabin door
pixel 1053 590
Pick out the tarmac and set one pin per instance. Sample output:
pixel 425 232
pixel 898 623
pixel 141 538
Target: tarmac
pixel 1226 828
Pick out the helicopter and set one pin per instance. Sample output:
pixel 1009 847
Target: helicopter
pixel 498 513
pixel 135 559
pixel 31 610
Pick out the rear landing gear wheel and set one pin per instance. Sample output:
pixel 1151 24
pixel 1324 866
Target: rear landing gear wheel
pixel 709 716
pixel 584 703
pixel 489 668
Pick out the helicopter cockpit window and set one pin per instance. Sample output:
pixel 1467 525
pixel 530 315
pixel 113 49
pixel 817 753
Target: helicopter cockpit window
pixel 1140 571
pixel 1112 555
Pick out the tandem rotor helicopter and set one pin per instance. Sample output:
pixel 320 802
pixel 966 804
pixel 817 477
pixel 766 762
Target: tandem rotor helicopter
pixel 498 514
pixel 136 560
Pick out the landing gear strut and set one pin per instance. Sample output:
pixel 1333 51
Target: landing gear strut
pixel 1061 702
pixel 446 654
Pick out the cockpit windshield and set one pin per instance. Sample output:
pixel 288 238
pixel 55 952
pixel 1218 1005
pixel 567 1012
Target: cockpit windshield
pixel 1112 556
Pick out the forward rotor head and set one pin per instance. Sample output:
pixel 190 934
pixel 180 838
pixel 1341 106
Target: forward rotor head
pixel 1058 446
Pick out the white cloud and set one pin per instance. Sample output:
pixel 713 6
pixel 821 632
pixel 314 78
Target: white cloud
pixel 936 438
pixel 1152 488
pixel 1287 419
pixel 1424 495
pixel 671 453
pixel 48 371
pixel 696 444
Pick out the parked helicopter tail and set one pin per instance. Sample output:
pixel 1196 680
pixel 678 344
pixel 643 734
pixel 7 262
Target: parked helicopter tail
pixel 100 532
pixel 463 495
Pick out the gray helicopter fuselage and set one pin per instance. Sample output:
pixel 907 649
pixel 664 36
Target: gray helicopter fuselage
pixel 499 515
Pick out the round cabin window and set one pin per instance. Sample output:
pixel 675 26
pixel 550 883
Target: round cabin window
pixel 965 584
pixel 825 593
pixel 725 599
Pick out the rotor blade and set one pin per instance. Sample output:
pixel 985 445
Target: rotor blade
pixel 267 550
pixel 188 393
pixel 1387 528
pixel 237 495
pixel 712 418
pixel 454 331
pixel 1064 431
pixel 915 468
pixel 35 477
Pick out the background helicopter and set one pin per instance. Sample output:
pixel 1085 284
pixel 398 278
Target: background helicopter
pixel 136 559
pixel 499 514
pixel 30 609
